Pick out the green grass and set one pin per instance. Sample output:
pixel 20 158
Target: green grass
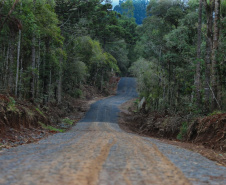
pixel 68 121
pixel 39 111
pixel 215 112
pixel 51 128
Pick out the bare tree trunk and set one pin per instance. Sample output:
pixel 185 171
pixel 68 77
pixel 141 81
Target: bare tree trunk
pixel 45 72
pixel 209 14
pixel 38 67
pixel 49 86
pixel 18 63
pixel 169 83
pixel 33 57
pixel 20 83
pixel 7 66
pixel 11 62
pixel 198 68
pixel 59 86
pixel 214 51
pixel 2 73
pixel 18 60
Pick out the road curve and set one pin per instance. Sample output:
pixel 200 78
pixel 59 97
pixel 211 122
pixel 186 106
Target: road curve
pixel 97 151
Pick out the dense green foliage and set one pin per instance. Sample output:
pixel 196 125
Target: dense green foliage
pixel 133 8
pixel 48 48
pixel 167 60
pixel 51 48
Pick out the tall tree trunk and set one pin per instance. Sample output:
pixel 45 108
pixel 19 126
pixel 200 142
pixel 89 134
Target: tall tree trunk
pixel 59 86
pixel 11 62
pixel 7 66
pixel 18 63
pixel 33 57
pixel 209 14
pixel 20 82
pixel 38 68
pixel 214 51
pixel 45 72
pixel 50 85
pixel 18 60
pixel 169 83
pixel 198 68
pixel 2 73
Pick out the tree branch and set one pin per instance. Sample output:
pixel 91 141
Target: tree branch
pixel 10 12
pixel 214 96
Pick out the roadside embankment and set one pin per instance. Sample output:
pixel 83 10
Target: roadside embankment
pixel 23 122
pixel 206 135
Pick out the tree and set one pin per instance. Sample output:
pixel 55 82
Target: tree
pixel 214 80
pixel 8 15
pixel 209 40
pixel 198 65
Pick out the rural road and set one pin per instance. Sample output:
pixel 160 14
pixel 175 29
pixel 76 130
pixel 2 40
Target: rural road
pixel 97 151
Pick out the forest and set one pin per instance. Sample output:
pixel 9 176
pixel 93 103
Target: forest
pixel 175 49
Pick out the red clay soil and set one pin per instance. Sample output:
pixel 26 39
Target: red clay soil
pixel 205 135
pixel 19 114
pixel 209 131
pixel 20 122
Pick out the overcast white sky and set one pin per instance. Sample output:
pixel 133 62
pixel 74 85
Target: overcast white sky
pixel 115 2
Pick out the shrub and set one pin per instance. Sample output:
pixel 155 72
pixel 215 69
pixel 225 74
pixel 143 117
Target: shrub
pixel 68 121
pixel 215 112
pixel 50 128
pixel 40 112
pixel 12 105
pixel 183 131
pixel 77 93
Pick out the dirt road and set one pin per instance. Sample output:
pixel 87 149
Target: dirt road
pixel 97 151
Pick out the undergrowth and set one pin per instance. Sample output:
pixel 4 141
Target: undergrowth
pixel 183 131
pixel 1 145
pixel 215 112
pixel 68 121
pixel 39 111
pixel 12 105
pixel 136 103
pixel 51 128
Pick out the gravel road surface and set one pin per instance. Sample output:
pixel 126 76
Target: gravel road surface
pixel 97 151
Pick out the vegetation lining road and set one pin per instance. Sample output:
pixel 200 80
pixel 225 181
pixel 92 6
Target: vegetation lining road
pixel 50 50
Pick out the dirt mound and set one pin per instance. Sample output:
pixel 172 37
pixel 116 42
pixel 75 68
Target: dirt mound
pixel 209 131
